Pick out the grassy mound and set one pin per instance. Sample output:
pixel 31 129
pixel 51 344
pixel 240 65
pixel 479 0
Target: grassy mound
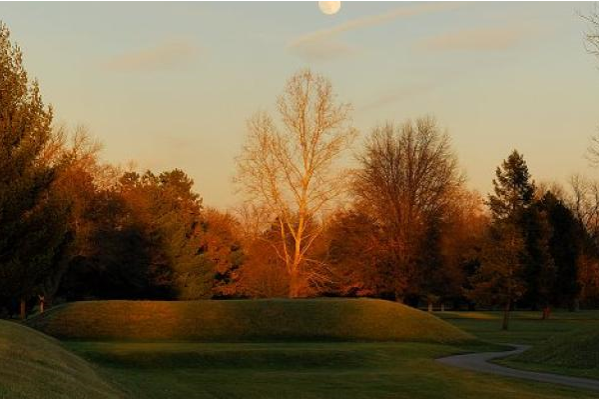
pixel 571 353
pixel 246 321
pixel 33 365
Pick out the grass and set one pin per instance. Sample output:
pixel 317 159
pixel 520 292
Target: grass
pixel 571 353
pixel 301 370
pixel 336 358
pixel 565 344
pixel 246 321
pixel 33 365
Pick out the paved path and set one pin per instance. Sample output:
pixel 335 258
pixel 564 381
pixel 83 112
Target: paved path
pixel 479 362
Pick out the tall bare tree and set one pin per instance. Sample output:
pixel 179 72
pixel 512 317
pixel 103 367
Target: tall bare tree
pixel 290 170
pixel 406 177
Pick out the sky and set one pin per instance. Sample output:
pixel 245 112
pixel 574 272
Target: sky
pixel 171 85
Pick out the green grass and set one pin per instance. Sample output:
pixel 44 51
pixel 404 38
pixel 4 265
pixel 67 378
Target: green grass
pixel 570 353
pixel 565 344
pixel 33 365
pixel 305 370
pixel 277 349
pixel 246 321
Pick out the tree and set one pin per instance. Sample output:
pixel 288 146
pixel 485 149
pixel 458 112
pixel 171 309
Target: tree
pixel 356 256
pixel 499 279
pixel 591 35
pixel 565 245
pixel 291 170
pixel 32 220
pixel 406 177
pixel 539 272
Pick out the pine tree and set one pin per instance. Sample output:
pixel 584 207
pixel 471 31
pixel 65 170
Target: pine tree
pixel 499 279
pixel 32 220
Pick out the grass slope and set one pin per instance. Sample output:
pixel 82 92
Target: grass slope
pixel 246 321
pixel 303 370
pixel 565 344
pixel 33 365
pixel 571 353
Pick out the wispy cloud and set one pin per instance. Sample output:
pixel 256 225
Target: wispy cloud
pixel 480 39
pixel 165 56
pixel 326 44
pixel 396 95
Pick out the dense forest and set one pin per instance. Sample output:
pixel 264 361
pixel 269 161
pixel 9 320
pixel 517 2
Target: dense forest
pixel 402 225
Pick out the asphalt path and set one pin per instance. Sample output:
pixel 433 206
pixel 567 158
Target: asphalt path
pixel 479 362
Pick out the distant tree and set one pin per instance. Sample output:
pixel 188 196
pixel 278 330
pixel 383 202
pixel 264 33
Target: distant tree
pixel 406 178
pixel 539 272
pixel 221 246
pixel 262 274
pixel 356 256
pixel 513 189
pixel 565 246
pixel 290 170
pixel 591 35
pixel 450 245
pixel 499 279
pixel 32 220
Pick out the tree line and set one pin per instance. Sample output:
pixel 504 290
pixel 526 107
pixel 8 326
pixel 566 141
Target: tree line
pixel 401 225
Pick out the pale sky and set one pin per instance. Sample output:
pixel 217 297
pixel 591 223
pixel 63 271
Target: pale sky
pixel 170 85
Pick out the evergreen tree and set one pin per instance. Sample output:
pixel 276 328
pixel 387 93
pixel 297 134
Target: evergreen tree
pixel 32 220
pixel 566 245
pixel 499 279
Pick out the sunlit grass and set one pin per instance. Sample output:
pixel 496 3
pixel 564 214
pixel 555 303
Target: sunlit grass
pixel 246 321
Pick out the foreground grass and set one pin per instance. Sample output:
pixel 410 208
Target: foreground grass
pixel 314 363
pixel 565 344
pixel 246 321
pixel 306 370
pixel 33 365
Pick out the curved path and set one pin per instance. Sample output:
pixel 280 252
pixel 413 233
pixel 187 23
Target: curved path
pixel 479 362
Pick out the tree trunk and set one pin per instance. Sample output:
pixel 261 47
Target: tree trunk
pixel 506 316
pixel 22 309
pixel 546 312
pixel 293 289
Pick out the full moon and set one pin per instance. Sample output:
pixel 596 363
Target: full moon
pixel 330 7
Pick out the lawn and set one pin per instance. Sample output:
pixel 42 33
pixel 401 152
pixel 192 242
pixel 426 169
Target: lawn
pixel 268 320
pixel 326 360
pixel 565 344
pixel 306 370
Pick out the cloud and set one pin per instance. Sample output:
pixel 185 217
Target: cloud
pixel 397 95
pixel 482 39
pixel 166 56
pixel 325 44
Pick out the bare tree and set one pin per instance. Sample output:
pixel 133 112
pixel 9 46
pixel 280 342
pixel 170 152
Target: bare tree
pixel 291 170
pixel 591 35
pixel 592 152
pixel 584 202
pixel 406 177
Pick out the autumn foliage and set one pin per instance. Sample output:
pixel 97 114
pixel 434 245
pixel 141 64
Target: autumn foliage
pixel 402 224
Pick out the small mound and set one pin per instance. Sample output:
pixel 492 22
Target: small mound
pixel 571 349
pixel 246 321
pixel 33 365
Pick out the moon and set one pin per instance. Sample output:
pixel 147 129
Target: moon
pixel 330 7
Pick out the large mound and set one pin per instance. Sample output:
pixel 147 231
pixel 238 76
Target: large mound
pixel 246 321
pixel 33 365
